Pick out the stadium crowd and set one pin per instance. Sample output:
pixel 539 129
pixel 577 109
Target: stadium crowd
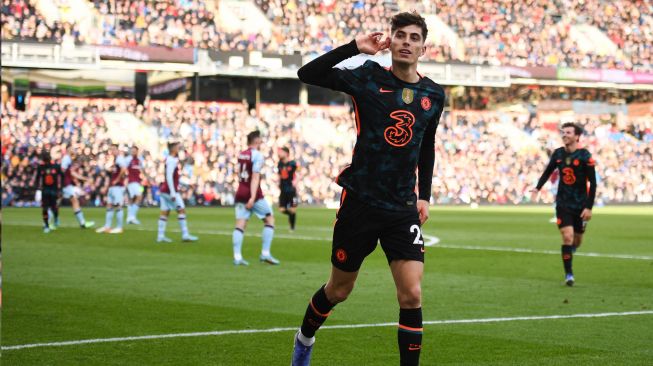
pixel 481 156
pixel 502 32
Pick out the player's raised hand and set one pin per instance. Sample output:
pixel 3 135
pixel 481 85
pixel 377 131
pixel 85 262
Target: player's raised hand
pixel 534 193
pixel 372 43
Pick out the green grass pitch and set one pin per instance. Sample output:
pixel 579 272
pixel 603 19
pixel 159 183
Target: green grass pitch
pixel 74 284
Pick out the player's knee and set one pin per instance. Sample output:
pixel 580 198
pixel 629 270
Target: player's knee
pixel 337 294
pixel 269 220
pixel 410 298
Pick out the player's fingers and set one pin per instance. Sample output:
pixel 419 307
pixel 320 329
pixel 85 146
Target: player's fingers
pixel 384 45
pixel 376 35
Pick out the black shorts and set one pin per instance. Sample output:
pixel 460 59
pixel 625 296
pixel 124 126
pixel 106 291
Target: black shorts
pixel 49 199
pixel 287 200
pixel 570 217
pixel 359 227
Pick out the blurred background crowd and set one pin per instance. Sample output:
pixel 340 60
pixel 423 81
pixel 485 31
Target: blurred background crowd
pixel 482 156
pixel 558 33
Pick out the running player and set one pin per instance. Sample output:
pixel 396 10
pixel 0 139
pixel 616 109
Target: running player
pixel 71 178
pixel 249 198
pixel 397 113
pixel 134 187
pixel 49 177
pixel 171 198
pixel 116 193
pixel 288 194
pixel 575 199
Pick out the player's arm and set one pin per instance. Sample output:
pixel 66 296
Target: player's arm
pixel 79 177
pixel 545 176
pixel 253 187
pixel 425 167
pixel 590 172
pixel 60 177
pixel 37 178
pixel 170 180
pixel 257 165
pixel 321 71
pixel 123 173
pixel 295 177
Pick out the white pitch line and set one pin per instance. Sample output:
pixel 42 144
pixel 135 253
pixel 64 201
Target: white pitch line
pixel 343 326
pixel 541 251
pixel 430 241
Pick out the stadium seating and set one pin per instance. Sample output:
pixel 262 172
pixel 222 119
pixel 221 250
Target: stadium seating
pixel 562 33
pixel 481 156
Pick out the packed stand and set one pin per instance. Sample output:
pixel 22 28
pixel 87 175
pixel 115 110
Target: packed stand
pixel 503 32
pixel 489 157
pixel 22 22
pixel 536 32
pixel 169 23
pixel 481 156
pixel 500 32
pixel 212 134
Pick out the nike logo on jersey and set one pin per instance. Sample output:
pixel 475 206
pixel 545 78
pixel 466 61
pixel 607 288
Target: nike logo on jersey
pixel 385 90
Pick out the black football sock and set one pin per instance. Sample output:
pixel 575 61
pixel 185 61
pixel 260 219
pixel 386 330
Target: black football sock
pixel 44 212
pixel 409 335
pixel 567 256
pixel 291 220
pixel 317 312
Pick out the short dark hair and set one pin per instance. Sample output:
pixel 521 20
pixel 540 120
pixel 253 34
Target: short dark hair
pixel 134 147
pixel 404 19
pixel 578 130
pixel 252 136
pixel 286 149
pixel 172 144
pixel 45 155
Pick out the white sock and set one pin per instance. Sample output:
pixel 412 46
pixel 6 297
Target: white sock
pixel 80 217
pixel 135 210
pixel 238 244
pixel 267 234
pixel 305 340
pixel 109 217
pixel 119 218
pixel 183 224
pixel 162 226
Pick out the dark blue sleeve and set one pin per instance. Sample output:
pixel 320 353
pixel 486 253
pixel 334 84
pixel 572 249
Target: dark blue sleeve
pixel 427 155
pixel 590 172
pixel 321 70
pixel 548 171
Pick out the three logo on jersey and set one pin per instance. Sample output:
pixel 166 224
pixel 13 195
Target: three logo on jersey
pixel 400 134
